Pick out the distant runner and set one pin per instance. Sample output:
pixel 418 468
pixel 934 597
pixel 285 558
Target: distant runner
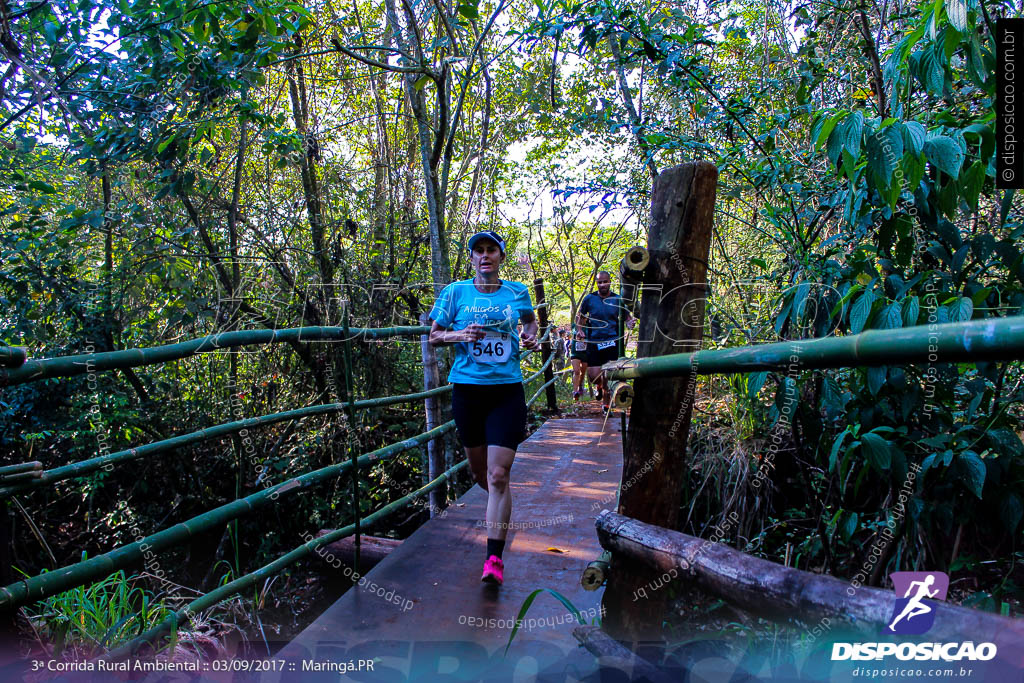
pixel 600 310
pixel 480 316
pixel 578 358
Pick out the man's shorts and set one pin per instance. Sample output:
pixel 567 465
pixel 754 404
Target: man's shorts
pixel 489 414
pixel 597 357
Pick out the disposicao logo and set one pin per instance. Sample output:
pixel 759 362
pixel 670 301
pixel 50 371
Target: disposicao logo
pixel 910 617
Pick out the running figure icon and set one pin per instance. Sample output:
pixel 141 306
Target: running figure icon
pixel 914 606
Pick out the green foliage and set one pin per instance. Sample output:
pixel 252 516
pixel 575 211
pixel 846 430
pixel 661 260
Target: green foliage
pixel 852 197
pixel 97 618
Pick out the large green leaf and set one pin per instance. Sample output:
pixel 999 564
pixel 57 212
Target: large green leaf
pixel 755 381
pixel 961 310
pixel 876 379
pixel 823 128
pixel 972 182
pixel 914 136
pixel 860 310
pixel 944 154
pixel 836 445
pixel 876 448
pixel 831 395
pixel 41 186
pixel 1006 442
pixel 971 469
pixel 854 129
pixel 911 311
pixel 890 318
pixel 956 12
pixel 834 148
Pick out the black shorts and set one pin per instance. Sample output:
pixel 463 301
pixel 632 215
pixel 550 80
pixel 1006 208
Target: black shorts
pixel 598 357
pixel 579 354
pixel 489 414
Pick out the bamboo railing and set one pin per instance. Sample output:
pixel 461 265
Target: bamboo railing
pixel 12 356
pixel 978 340
pixel 57 581
pixel 81 468
pixel 60 580
pixel 69 366
pixel 241 583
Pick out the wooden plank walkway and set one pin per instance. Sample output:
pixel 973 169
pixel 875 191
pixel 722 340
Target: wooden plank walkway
pixel 424 610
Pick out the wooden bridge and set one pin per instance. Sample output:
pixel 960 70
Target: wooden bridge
pixel 563 476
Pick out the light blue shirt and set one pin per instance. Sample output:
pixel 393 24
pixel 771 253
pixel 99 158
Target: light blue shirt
pixel 494 359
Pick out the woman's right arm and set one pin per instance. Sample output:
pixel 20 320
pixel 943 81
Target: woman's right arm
pixel 439 336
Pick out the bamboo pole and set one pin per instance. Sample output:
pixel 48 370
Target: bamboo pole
pixel 432 409
pixel 69 366
pixel 84 467
pixel 596 572
pixel 60 580
pixel 621 395
pixel 547 384
pixel 30 475
pixel 12 356
pixel 350 429
pixel 634 263
pixel 243 582
pixel 964 342
pixel 545 345
pixel 631 271
pixel 20 467
pixel 540 372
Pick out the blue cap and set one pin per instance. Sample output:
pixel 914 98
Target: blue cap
pixel 489 234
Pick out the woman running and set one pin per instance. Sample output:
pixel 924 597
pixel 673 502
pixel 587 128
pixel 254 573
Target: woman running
pixel 480 316
pixel 579 363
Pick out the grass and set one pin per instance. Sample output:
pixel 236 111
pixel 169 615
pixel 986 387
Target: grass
pixel 524 608
pixel 97 617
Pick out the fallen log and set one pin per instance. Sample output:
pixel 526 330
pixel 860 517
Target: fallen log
pixel 372 549
pixel 770 589
pixel 612 655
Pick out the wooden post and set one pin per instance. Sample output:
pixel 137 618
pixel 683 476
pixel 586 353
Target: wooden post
pixel 545 347
pixel 435 447
pixel 671 320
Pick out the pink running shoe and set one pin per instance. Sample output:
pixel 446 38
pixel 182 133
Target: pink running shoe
pixel 493 569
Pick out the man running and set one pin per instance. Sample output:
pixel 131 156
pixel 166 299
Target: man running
pixel 600 311
pixel 480 317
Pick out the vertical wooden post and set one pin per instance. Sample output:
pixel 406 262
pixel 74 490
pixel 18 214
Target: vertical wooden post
pixel 545 347
pixel 435 447
pixel 671 321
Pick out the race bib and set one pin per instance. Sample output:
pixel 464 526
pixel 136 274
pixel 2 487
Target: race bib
pixel 495 347
pixel 601 346
pixel 581 346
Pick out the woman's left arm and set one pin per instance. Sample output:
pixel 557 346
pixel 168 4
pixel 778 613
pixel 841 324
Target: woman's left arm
pixel 528 337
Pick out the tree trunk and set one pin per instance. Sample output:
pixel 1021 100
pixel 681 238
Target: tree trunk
pixel 440 267
pixel 671 320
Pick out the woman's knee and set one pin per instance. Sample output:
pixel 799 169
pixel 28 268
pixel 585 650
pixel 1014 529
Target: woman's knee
pixel 497 476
